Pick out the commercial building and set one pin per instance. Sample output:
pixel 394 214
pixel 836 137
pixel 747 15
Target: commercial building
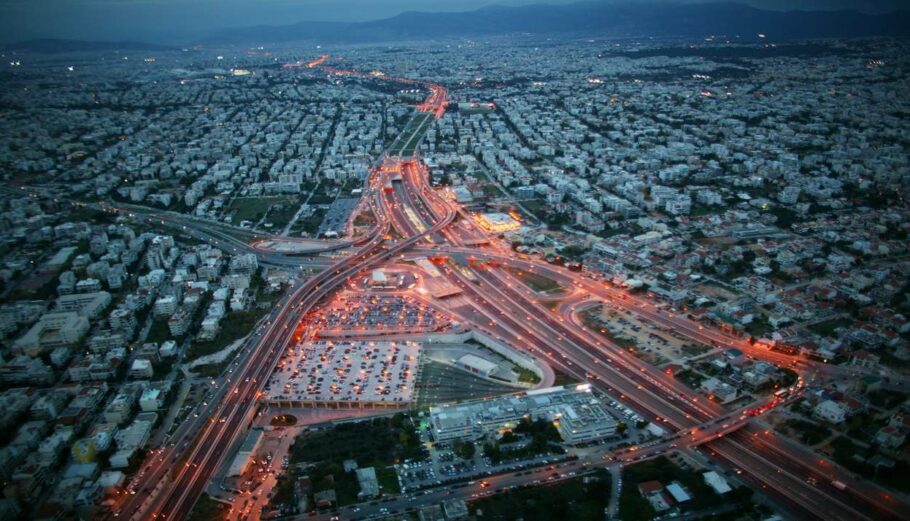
pixel 578 415
pixel 132 438
pixel 497 222
pixel 141 368
pixel 24 369
pixel 151 400
pixel 716 482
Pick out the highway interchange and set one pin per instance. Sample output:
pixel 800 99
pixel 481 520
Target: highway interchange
pixel 797 481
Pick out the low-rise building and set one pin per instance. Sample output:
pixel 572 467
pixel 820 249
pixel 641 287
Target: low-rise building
pixel 246 452
pixel 830 411
pixel 151 400
pixel 369 485
pixel 578 414
pixel 52 330
pixel 141 369
pixel 88 305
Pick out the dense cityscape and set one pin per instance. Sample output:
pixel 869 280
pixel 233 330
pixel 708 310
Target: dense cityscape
pixel 508 277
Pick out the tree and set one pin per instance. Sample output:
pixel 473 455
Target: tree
pixel 491 450
pixel 465 450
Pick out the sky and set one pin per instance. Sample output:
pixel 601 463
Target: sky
pixel 183 21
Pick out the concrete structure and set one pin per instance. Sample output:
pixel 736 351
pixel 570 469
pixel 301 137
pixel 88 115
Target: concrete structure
pixel 578 414
pixel 52 330
pixel 369 485
pixel 141 368
pixel 87 305
pixel 477 365
pixel 830 411
pixel 151 400
pixel 678 493
pixel 497 222
pixel 716 482
pixel 455 509
pixel 132 438
pixel 245 454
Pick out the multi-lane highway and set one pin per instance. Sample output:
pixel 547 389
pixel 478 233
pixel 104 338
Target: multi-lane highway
pixel 173 477
pixel 498 304
pixel 791 475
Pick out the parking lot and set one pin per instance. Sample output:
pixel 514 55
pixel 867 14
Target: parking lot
pixel 388 313
pixel 329 371
pixel 651 343
pixel 336 218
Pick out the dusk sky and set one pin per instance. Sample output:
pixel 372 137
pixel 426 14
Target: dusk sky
pixel 181 21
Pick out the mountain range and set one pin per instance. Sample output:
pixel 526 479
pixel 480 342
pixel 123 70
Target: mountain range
pixel 56 45
pixel 583 19
pixel 587 19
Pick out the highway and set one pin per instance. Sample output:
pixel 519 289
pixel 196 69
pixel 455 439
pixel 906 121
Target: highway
pixel 520 476
pixel 175 476
pixel 783 471
pixel 234 239
pixel 500 305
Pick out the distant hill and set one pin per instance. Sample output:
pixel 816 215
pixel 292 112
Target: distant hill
pixel 54 46
pixel 587 19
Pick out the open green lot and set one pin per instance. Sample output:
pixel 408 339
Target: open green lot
pixel 633 507
pixel 255 208
pixel 236 325
pixel 377 443
pixel 536 282
pixel 828 327
pixel 309 225
pixel 207 509
pixel 573 499
pixel 407 140
pixel 589 319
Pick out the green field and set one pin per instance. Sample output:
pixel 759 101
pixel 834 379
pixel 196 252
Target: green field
pixel 377 443
pixel 280 214
pixel 633 507
pixel 255 208
pixel 235 325
pixel 406 142
pixel 536 281
pixel 828 327
pixel 309 225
